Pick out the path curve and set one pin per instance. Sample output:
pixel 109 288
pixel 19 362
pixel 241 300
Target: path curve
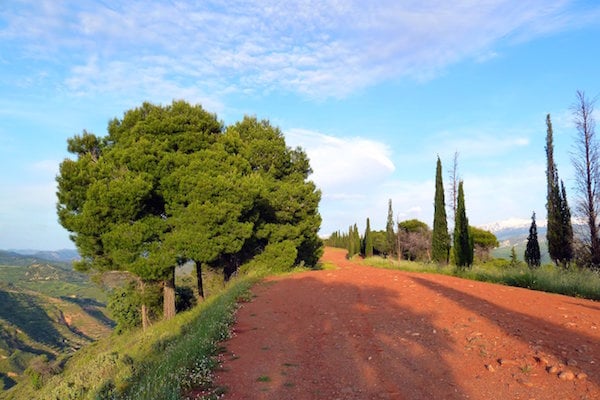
pixel 365 333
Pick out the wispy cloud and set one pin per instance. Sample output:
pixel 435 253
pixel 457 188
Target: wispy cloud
pixel 319 48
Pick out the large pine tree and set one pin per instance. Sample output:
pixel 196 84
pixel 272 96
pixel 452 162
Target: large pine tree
pixel 463 242
pixel 440 241
pixel 532 251
pixel 560 231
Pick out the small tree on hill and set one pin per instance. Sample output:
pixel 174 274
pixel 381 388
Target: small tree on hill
pixel 532 251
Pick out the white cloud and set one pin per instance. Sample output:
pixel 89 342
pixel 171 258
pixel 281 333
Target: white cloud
pixel 319 48
pixel 339 163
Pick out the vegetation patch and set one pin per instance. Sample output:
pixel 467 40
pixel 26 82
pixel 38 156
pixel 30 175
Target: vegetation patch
pixel 576 282
pixel 130 367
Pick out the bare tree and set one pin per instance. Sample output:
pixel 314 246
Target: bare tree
pixel 586 162
pixel 454 178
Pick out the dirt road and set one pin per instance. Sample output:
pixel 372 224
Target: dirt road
pixel 365 333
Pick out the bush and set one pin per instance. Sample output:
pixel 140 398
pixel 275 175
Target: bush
pixel 125 303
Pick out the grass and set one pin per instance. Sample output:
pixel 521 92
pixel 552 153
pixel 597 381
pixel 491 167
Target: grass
pixel 574 282
pixel 164 362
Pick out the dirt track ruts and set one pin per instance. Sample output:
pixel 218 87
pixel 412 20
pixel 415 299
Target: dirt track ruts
pixel 364 333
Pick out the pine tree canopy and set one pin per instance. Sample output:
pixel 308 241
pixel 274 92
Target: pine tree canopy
pixel 169 183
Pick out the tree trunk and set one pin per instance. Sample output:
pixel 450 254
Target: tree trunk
pixel 199 280
pixel 145 319
pixel 230 268
pixel 169 295
pixel 144 311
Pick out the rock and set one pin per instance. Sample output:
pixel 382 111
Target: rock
pixel 582 375
pixel 525 383
pixel 572 363
pixel 566 376
pixel 503 362
pixel 552 369
pixel 542 360
pixel 490 368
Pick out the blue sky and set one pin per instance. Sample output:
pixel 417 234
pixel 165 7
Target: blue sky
pixel 372 92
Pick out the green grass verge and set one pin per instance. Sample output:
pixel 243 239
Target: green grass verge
pixel 162 363
pixel 573 282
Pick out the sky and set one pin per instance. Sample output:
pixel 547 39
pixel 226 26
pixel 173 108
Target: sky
pixel 373 92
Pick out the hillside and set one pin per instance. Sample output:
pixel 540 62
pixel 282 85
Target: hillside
pixel 513 233
pixel 48 309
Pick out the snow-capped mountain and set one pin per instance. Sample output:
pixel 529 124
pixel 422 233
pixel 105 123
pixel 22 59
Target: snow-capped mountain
pixel 514 228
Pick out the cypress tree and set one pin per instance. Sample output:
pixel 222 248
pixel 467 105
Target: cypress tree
pixel 567 229
pixel 559 231
pixel 368 240
pixel 440 240
pixel 356 239
pixel 350 241
pixel 463 242
pixel 532 251
pixel 389 230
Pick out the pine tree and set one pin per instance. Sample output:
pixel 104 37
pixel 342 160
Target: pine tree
pixel 532 251
pixel 389 229
pixel 440 241
pixel 368 240
pixel 463 243
pixel 559 232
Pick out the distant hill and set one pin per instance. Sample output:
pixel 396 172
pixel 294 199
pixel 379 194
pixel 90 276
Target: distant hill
pixel 513 233
pixel 46 308
pixel 64 255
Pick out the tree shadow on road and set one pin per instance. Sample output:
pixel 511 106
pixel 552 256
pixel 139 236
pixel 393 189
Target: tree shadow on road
pixel 312 339
pixel 556 340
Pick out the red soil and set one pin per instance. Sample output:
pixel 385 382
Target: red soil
pixel 365 333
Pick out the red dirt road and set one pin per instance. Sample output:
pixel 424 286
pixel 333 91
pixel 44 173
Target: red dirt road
pixel 365 333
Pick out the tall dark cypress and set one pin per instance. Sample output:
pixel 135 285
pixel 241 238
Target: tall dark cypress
pixel 368 240
pixel 463 242
pixel 532 251
pixel 351 251
pixel 389 231
pixel 356 238
pixel 440 239
pixel 559 232
pixel 567 229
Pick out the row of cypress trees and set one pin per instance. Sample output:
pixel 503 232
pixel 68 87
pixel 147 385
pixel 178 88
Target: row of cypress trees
pixel 462 241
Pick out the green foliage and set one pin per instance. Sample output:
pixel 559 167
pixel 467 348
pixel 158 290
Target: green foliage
pixel 380 243
pixel 440 239
pixel 483 238
pixel 124 305
pixel 463 241
pixel 413 225
pixel 532 252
